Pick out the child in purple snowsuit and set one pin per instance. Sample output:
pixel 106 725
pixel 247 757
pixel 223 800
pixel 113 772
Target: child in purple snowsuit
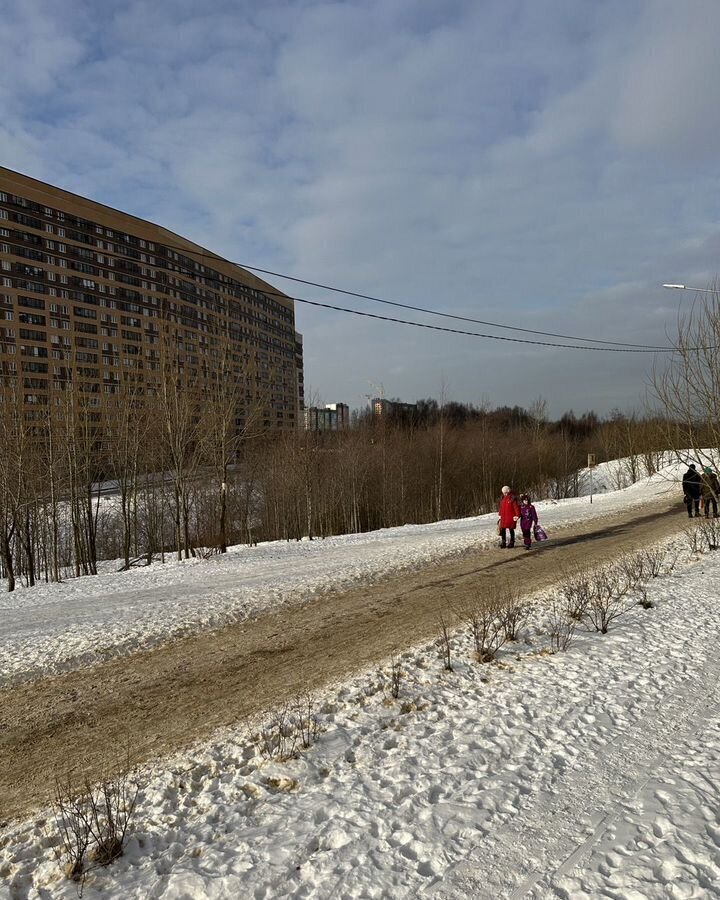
pixel 528 518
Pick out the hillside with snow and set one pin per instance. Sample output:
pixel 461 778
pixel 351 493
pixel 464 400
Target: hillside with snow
pixel 578 774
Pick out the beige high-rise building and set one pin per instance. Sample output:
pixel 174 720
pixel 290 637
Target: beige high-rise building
pixel 97 298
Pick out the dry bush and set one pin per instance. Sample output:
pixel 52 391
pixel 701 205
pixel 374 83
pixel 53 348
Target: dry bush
pixel 513 613
pixel 709 530
pixel 600 596
pixel 608 600
pixel 93 821
pixel 563 623
pixel 70 809
pixel 576 590
pixel 293 726
pixel 304 708
pixel 653 560
pixel 278 739
pixel 644 600
pixel 396 674
pixel 693 538
pixel 204 552
pixel 444 644
pixel 487 627
pixel 631 569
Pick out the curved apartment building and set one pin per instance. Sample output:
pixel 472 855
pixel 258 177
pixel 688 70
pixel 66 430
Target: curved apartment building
pixel 99 299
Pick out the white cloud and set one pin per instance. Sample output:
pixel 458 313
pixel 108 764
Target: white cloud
pixel 545 165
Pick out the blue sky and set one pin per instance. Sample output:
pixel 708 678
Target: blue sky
pixel 540 164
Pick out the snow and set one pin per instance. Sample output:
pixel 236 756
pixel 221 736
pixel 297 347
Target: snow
pixel 589 773
pixel 54 628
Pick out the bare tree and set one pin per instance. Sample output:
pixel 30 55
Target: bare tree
pixel 687 387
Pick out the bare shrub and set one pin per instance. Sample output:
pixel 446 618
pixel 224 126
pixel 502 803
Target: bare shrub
pixel 694 539
pixel 444 643
pixel 205 552
pixel 487 627
pixel 672 561
pixel 709 530
pixel 278 739
pixel 293 726
pixel 111 812
pixel 631 569
pixel 93 821
pixel 70 808
pixel 644 600
pixel 654 558
pixel 576 590
pixel 513 613
pixel 608 600
pixel 396 674
pixel 563 623
pixel 306 719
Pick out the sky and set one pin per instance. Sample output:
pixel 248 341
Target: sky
pixel 540 165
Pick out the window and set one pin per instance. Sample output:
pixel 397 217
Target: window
pixel 28 334
pixel 31 318
pixel 33 302
pixel 33 351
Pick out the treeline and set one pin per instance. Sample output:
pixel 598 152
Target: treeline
pixel 393 471
pixel 174 474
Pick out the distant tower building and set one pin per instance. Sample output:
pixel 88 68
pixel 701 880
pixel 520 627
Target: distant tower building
pixel 334 417
pixel 341 418
pixel 382 407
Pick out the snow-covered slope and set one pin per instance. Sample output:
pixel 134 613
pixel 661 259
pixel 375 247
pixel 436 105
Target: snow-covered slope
pixel 589 773
pixel 52 628
pixel 594 772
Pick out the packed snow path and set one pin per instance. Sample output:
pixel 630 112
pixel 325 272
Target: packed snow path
pixel 163 699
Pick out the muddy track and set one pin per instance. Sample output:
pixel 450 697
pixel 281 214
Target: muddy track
pixel 164 699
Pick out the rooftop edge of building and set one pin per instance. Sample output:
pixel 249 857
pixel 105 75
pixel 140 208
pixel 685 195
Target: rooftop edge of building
pixel 42 192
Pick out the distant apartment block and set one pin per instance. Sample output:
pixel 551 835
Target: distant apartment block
pixel 332 417
pixel 92 297
pixel 382 407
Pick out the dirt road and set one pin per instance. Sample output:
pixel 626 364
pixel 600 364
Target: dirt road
pixel 164 699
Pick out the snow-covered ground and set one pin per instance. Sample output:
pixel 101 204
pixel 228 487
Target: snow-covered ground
pixel 53 628
pixel 590 773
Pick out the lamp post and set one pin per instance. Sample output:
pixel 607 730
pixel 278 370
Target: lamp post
pixel 685 287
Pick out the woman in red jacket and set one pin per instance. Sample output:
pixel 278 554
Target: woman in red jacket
pixel 509 513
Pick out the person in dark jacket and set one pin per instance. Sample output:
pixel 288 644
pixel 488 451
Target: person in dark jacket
pixel 528 518
pixel 509 513
pixel 692 485
pixel 710 491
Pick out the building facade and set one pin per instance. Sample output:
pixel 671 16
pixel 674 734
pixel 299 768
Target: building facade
pixel 333 417
pixel 383 408
pixel 103 301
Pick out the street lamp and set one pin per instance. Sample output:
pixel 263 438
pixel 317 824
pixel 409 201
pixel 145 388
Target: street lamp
pixel 685 287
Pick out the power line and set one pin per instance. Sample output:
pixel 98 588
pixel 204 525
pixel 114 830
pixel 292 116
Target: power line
pixel 214 256
pixel 173 266
pixel 492 337
pixel 433 312
pixel 569 337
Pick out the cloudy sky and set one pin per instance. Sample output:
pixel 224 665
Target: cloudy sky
pixel 545 165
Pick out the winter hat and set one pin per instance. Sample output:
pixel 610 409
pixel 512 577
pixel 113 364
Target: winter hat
pixel 505 489
pixel 707 470
pixel 525 497
pixel 692 466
